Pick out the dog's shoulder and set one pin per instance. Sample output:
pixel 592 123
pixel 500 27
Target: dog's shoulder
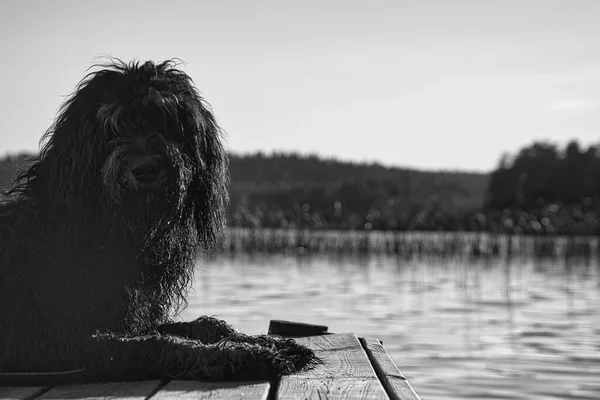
pixel 17 214
pixel 21 233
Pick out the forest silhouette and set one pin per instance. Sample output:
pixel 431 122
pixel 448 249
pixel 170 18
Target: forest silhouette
pixel 541 189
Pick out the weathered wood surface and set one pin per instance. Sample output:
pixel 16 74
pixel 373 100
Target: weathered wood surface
pixel 180 390
pixel 346 372
pixel 390 376
pixel 20 393
pixel 351 369
pixel 112 390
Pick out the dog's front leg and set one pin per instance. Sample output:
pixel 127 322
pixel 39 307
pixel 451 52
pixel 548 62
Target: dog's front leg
pixel 117 357
pixel 204 329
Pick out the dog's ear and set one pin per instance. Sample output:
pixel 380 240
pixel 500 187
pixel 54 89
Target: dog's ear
pixel 210 187
pixel 68 166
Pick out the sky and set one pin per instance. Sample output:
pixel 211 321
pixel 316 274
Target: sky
pixel 412 83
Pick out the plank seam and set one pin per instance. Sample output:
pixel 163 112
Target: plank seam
pixel 41 392
pixel 161 384
pixel 386 378
pixel 382 378
pixel 273 389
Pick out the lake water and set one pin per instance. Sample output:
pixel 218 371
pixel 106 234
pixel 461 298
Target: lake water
pixel 458 328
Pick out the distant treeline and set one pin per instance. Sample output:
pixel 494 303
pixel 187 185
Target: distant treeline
pixel 541 189
pixel 542 173
pixel 9 166
pixel 291 190
pixel 546 189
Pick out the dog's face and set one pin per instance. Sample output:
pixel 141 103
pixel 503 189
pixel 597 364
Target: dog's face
pixel 152 126
pixel 145 164
pixel 137 147
pixel 138 167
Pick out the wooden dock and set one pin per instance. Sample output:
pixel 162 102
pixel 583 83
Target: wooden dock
pixel 353 368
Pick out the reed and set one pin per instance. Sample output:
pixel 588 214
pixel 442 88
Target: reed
pixel 278 240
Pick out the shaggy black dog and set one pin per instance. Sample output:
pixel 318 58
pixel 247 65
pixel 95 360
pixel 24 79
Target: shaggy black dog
pixel 98 239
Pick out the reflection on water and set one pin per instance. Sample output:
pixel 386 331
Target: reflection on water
pixel 457 327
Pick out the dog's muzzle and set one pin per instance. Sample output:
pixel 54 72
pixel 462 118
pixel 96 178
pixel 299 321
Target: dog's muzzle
pixel 144 172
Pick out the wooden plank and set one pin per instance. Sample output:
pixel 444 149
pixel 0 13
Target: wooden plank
pixel 346 372
pixel 295 329
pixel 342 356
pixel 20 393
pixel 114 390
pixel 331 388
pixel 393 380
pixel 181 390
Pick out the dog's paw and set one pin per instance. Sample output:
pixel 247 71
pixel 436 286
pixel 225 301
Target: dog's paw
pixel 243 357
pixel 238 357
pixel 266 357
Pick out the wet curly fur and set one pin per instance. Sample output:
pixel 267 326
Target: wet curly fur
pixel 99 235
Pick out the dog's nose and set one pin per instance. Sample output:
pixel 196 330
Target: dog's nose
pixel 146 171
